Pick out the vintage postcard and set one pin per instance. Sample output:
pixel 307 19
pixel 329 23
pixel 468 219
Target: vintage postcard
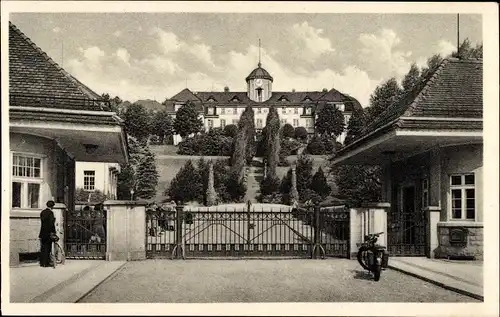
pixel 250 158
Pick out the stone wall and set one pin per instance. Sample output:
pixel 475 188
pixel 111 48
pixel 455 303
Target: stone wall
pixel 474 246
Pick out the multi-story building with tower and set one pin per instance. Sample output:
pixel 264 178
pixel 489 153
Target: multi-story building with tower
pixel 298 108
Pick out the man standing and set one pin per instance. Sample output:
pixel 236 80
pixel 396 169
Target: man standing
pixel 47 228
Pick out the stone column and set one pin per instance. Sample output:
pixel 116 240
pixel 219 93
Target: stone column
pixel 126 230
pixel 294 194
pixel 433 214
pixel 211 193
pixel 60 214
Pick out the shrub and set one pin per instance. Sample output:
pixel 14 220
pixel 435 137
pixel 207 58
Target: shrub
pixel 301 133
pixel 269 185
pixel 285 186
pixel 235 189
pixel 212 143
pixel 321 145
pixel 96 196
pixel 187 185
pixel 230 130
pixel 288 131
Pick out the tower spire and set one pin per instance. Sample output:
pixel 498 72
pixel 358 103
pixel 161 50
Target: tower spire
pixel 259 55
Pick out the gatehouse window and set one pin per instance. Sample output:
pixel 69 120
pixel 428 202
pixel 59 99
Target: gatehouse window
pixel 26 181
pixel 89 180
pixel 463 197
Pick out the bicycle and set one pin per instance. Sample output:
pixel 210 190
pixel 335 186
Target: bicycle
pixel 57 255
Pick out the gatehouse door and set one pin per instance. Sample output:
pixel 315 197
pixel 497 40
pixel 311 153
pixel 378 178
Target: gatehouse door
pixel 406 226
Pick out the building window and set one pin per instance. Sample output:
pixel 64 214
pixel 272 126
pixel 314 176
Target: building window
pixel 308 110
pixel 89 180
pixel 235 121
pixel 259 110
pixel 295 122
pixel 283 121
pixel 235 110
pixel 26 181
pixel 463 202
pixel 264 110
pixel 211 111
pixel 341 107
pixel 259 123
pixel 283 110
pixel 296 110
pixel 425 193
pixel 309 123
pixel 222 123
pixel 210 123
pixel 259 93
pixel 222 110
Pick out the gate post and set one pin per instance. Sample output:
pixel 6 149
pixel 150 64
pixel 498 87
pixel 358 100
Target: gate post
pixel 317 232
pixel 249 205
pixel 178 250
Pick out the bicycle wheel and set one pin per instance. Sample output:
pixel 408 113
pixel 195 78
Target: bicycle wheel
pixel 60 257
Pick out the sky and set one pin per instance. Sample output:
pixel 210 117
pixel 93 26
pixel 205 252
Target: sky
pixel 156 55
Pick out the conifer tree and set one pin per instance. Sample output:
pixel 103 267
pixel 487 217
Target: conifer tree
pixel 320 184
pixel 211 194
pixel 146 176
pixel 187 184
pixel 272 141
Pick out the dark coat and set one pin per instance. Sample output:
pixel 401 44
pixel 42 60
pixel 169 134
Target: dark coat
pixel 48 223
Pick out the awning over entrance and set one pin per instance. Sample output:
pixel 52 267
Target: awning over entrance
pixel 402 144
pixel 85 135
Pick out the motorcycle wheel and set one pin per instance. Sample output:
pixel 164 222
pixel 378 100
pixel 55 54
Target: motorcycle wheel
pixel 361 258
pixel 376 272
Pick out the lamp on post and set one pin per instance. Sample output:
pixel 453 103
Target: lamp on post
pixel 131 194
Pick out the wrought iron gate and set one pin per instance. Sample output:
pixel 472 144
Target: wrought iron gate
pixel 246 232
pixel 85 234
pixel 406 227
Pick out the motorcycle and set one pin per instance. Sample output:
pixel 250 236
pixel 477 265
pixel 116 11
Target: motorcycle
pixel 373 257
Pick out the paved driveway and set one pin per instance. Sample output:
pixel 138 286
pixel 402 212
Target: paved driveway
pixel 208 281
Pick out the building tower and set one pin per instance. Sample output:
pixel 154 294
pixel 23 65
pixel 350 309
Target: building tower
pixel 259 83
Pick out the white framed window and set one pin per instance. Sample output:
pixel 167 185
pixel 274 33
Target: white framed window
pixel 210 110
pixel 463 197
pixel 222 110
pixel 210 123
pixel 295 122
pixel 27 180
pixel 222 123
pixel 259 110
pixel 89 180
pixel 309 123
pixel 341 107
pixel 259 124
pixel 308 110
pixel 296 110
pixel 425 193
pixel 235 110
pixel 283 110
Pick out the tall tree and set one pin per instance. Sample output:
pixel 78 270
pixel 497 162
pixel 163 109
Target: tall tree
pixel 187 121
pixel 383 97
pixel 355 126
pixel 272 142
pixel 137 121
pixel 357 184
pixel 162 125
pixel 127 178
pixel 330 121
pixel 187 184
pixel 411 78
pixel 304 174
pixel 146 176
pixel 245 134
pixel 466 51
pixel 432 64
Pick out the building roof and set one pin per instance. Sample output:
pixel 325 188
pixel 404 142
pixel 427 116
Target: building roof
pixel 235 98
pixel 454 91
pixel 35 80
pixel 259 72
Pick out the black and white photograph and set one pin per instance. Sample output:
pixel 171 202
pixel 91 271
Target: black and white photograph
pixel 286 155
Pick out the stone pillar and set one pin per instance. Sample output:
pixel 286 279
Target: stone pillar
pixel 126 230
pixel 433 214
pixel 371 218
pixel 294 194
pixel 59 211
pixel 211 193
